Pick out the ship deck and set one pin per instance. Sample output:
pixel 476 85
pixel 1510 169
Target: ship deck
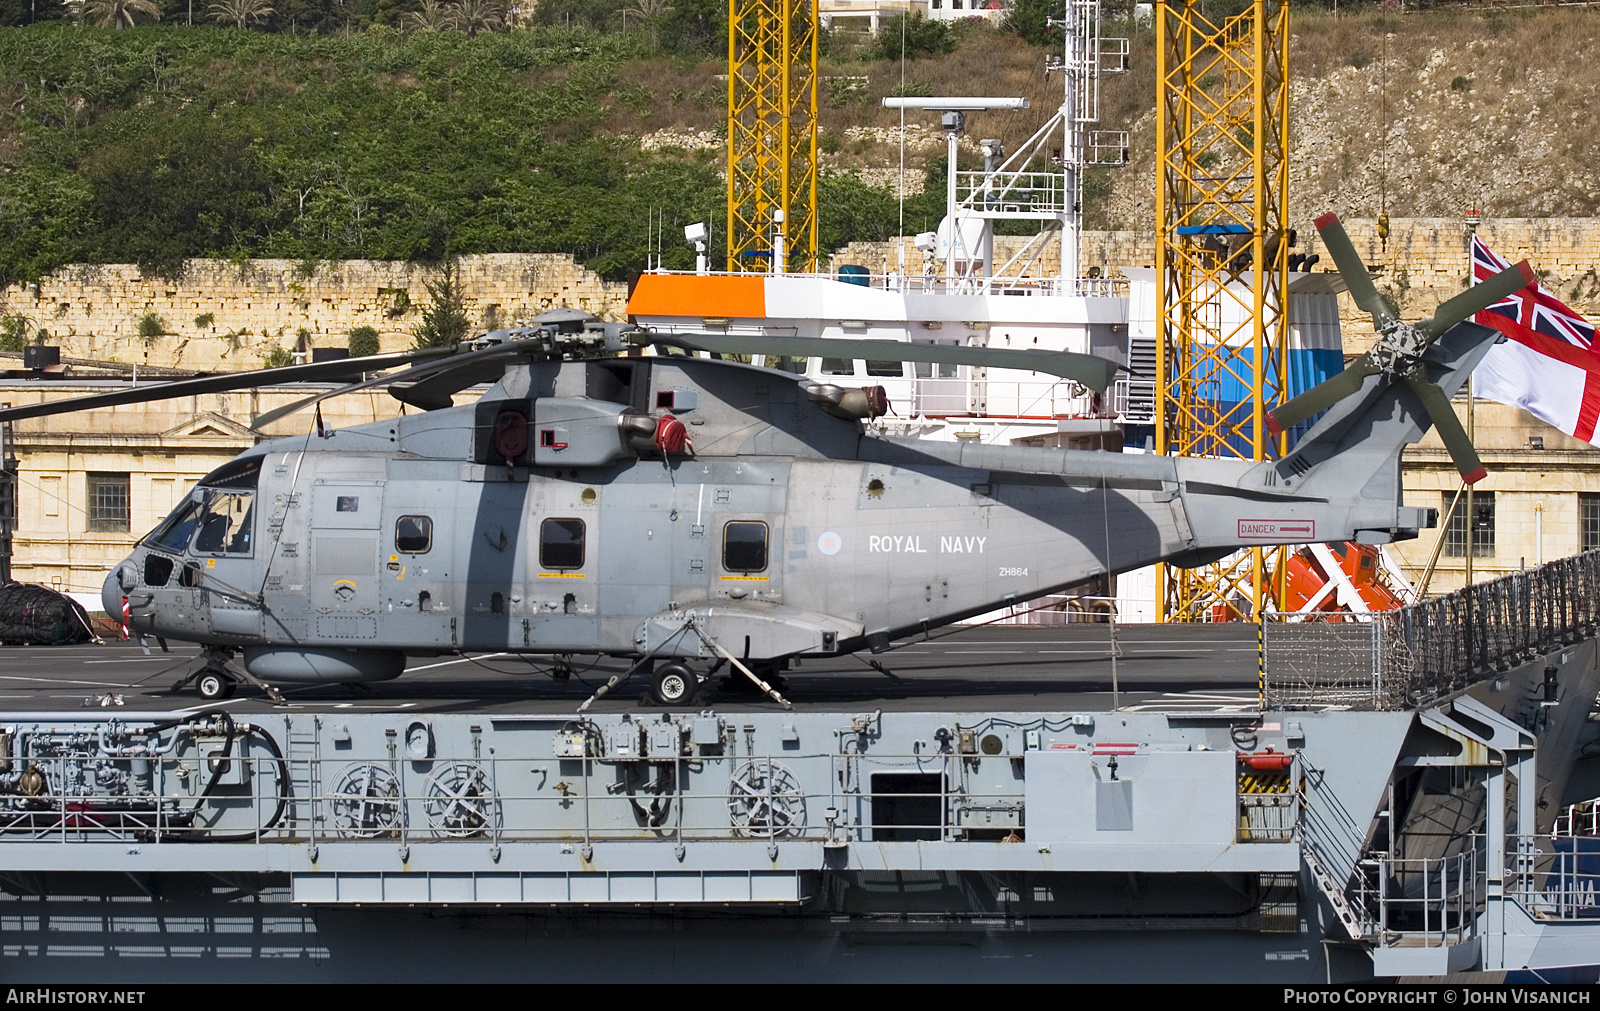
pixel 1063 667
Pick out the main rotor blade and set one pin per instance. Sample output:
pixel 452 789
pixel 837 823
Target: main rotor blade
pixel 1090 370
pixel 1450 431
pixel 1321 396
pixel 314 372
pixel 1479 297
pixel 1354 271
pixel 416 372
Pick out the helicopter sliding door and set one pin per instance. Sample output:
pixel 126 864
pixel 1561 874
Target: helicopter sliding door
pixel 345 517
pixel 562 558
pixel 418 556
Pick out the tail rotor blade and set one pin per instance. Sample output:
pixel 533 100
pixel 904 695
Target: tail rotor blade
pixel 1321 396
pixel 1450 431
pixel 1354 272
pixel 1479 297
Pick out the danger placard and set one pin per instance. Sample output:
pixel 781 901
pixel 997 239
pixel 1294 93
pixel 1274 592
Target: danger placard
pixel 1277 530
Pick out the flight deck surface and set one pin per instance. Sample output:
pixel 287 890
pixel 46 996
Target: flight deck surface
pixel 1064 667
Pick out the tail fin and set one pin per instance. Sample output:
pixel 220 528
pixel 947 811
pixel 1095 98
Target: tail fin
pixel 1353 452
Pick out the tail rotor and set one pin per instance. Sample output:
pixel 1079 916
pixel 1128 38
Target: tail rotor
pixel 1401 351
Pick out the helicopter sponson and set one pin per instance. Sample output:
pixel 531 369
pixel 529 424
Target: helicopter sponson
pixel 682 508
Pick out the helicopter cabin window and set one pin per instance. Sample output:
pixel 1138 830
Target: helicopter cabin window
pixel 895 370
pixel 838 367
pixel 561 544
pixel 744 546
pixel 413 535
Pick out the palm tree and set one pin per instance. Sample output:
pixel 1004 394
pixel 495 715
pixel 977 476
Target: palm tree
pixel 474 16
pixel 240 11
pixel 433 17
pixel 650 12
pixel 118 13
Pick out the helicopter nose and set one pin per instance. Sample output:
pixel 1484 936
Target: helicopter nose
pixel 118 582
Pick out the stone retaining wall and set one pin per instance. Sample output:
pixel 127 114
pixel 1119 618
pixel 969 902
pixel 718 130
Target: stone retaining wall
pixel 224 315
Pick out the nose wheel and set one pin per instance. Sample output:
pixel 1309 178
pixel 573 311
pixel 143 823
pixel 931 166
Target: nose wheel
pixel 215 681
pixel 212 685
pixel 674 684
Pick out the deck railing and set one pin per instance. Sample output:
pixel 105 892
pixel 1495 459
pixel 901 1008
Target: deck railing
pixel 1418 654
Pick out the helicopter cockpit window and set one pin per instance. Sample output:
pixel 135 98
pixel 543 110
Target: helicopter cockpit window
pixel 175 531
pixel 838 367
pixel 561 544
pixel 413 535
pixel 223 509
pixel 225 524
pixel 744 546
pixel 234 475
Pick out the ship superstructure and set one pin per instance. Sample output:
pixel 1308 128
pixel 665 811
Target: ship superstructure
pixel 957 289
pixel 1397 803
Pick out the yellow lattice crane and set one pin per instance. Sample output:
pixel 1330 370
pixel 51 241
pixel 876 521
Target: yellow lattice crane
pixel 772 134
pixel 1222 205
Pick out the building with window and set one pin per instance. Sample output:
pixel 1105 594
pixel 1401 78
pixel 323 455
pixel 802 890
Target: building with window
pixel 869 15
pixel 1541 500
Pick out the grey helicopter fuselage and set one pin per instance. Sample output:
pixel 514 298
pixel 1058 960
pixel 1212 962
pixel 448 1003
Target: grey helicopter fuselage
pixel 547 518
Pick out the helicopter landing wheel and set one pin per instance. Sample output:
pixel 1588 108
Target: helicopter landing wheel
pixel 213 685
pixel 673 684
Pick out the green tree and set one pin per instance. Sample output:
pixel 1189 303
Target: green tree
pixel 13 332
pixel 15 13
pixel 194 187
pixel 118 13
pixel 695 27
pixel 474 16
pixel 915 35
pixel 363 342
pixel 595 15
pixel 1030 19
pixel 239 12
pixel 444 323
pixel 431 17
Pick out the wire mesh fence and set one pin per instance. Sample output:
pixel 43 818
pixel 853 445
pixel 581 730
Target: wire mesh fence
pixel 1418 654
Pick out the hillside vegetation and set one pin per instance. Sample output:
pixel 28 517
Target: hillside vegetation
pixel 158 143
pixel 162 142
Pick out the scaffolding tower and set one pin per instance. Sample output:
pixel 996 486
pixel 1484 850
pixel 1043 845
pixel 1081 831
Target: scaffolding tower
pixel 1222 260
pixel 772 135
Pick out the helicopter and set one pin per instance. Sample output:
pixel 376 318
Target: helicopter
pixel 682 511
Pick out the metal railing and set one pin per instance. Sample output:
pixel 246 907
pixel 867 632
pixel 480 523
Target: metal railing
pixel 1581 820
pixel 1428 902
pixel 1555 879
pixel 1041 193
pixel 1418 654
pixel 928 797
pixel 918 283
